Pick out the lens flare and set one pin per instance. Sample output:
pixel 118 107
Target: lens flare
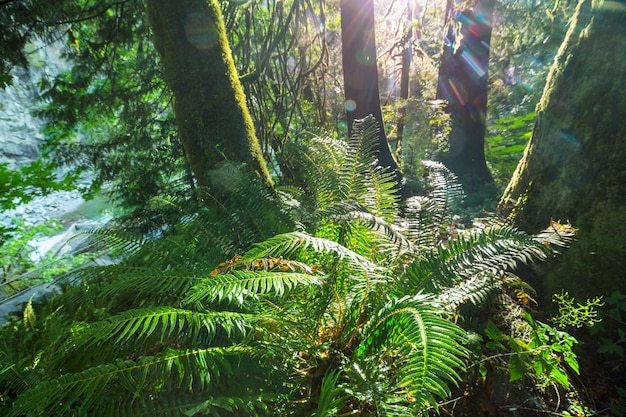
pixel 350 105
pixel 366 56
pixel 471 62
pixel 459 91
pixel 200 31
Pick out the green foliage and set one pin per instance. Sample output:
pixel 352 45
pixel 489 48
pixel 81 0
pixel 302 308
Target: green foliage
pixel 353 316
pixel 22 266
pixel 21 262
pixel 578 315
pixel 111 112
pixel 36 179
pixel 505 145
pixel 545 354
pixel 16 254
pixel 332 397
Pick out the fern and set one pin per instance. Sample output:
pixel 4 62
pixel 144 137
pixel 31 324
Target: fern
pixel 120 287
pixel 491 251
pixel 478 290
pixel 191 405
pixel 332 395
pixel 241 284
pixel 137 329
pixel 289 243
pixel 358 157
pixel 428 347
pixel 375 391
pixel 79 393
pixel 347 212
pixel 350 316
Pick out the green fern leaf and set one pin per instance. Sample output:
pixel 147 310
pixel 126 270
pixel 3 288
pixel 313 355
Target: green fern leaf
pixel 429 347
pixel 80 393
pixel 136 329
pixel 239 285
pixel 288 243
pixel 353 174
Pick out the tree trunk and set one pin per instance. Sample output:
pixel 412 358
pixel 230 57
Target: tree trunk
pixel 405 90
pixel 463 83
pixel 210 107
pixel 360 72
pixel 575 164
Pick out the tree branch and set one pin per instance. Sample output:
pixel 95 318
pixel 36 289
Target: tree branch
pixel 5 2
pixel 82 19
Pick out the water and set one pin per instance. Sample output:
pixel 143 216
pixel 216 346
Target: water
pixel 76 215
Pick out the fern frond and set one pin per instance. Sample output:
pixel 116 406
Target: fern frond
pixel 288 243
pixel 428 347
pixel 240 285
pixel 133 248
pixel 426 215
pixel 333 396
pixel 383 197
pixel 446 188
pixel 132 287
pixel 478 290
pixel 557 234
pixel 216 406
pixel 349 211
pixel 353 173
pixel 118 242
pixel 187 405
pixel 370 384
pixel 492 251
pixel 421 222
pixel 137 328
pixel 80 393
pixel 319 157
pixel 193 405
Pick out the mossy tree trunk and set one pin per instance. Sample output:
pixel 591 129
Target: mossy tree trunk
pixel 210 106
pixel 574 167
pixel 463 83
pixel 360 72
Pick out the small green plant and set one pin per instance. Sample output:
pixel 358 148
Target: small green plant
pixel 546 354
pixel 553 355
pixel 574 314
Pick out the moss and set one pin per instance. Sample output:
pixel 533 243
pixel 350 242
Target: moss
pixel 594 265
pixel 575 165
pixel 210 106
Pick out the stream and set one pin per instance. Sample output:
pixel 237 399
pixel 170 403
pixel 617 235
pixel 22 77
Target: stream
pixel 75 215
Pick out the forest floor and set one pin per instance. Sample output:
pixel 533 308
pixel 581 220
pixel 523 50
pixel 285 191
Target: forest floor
pixel 599 390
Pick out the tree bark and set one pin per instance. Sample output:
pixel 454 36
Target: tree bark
pixel 360 71
pixel 575 164
pixel 405 89
pixel 210 106
pixel 463 84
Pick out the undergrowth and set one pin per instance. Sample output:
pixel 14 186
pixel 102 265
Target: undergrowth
pixel 328 296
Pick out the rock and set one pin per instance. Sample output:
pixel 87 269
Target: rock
pixel 14 304
pixel 20 136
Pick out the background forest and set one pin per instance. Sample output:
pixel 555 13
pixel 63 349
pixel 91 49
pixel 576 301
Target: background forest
pixel 318 208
